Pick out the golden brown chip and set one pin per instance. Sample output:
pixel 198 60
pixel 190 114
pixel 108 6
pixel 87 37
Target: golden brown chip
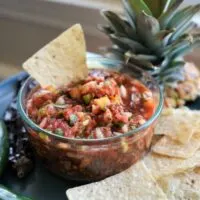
pixel 164 165
pixel 155 139
pixel 197 170
pixel 179 124
pixel 184 186
pixel 168 147
pixel 134 183
pixel 61 61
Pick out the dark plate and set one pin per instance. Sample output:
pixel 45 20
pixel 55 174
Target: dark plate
pixel 41 184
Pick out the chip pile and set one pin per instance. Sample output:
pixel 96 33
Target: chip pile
pixel 170 171
pixel 175 158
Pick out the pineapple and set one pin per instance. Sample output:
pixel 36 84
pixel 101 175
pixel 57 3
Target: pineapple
pixel 155 35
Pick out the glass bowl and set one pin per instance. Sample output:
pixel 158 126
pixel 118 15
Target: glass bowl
pixel 92 159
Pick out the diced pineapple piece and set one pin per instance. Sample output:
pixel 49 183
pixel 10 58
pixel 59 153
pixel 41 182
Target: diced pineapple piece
pixel 102 102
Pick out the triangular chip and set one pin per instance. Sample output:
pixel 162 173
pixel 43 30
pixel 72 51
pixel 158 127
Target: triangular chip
pixel 179 124
pixel 181 186
pixel 134 183
pixel 61 61
pixel 168 147
pixel 163 165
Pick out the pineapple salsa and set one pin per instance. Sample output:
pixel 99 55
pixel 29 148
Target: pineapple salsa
pixel 106 104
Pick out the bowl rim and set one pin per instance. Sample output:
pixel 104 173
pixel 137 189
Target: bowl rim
pixel 144 126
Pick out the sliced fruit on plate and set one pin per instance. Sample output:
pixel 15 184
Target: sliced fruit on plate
pixel 155 37
pixel 60 62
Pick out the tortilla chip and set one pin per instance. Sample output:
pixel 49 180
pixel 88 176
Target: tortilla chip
pixel 155 139
pixel 181 186
pixel 179 124
pixel 168 147
pixel 197 170
pixel 163 165
pixel 134 183
pixel 61 61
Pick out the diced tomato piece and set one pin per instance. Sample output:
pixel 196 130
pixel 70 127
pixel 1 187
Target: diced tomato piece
pixel 41 97
pixel 77 108
pixel 72 110
pixel 109 88
pixel 117 112
pixel 138 85
pixel 95 109
pixel 119 79
pixel 107 116
pixel 89 87
pixel 149 107
pixel 120 118
pixel 75 93
pixel 90 127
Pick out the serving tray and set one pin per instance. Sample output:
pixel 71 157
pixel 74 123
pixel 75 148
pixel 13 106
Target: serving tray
pixel 40 184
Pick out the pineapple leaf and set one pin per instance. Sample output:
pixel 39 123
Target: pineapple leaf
pixel 162 37
pixel 179 16
pixel 173 77
pixel 164 63
pixel 125 47
pixel 181 31
pixel 147 28
pixel 158 7
pixel 129 44
pixel 185 23
pixel 166 17
pixel 132 58
pixel 132 69
pixel 151 58
pixel 139 6
pixel 167 38
pixel 184 40
pixel 129 13
pixel 166 4
pixel 155 7
pixel 173 72
pixel 184 47
pixel 173 66
pixel 105 29
pixel 118 25
pixel 115 51
pixel 162 34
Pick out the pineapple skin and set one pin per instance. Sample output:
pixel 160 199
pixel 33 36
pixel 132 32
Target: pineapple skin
pixel 183 91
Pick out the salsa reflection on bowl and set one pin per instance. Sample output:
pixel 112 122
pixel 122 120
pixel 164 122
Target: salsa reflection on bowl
pixel 92 129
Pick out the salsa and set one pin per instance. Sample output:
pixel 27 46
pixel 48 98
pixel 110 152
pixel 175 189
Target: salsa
pixel 105 104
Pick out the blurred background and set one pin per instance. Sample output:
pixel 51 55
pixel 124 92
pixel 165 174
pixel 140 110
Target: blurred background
pixel 26 25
